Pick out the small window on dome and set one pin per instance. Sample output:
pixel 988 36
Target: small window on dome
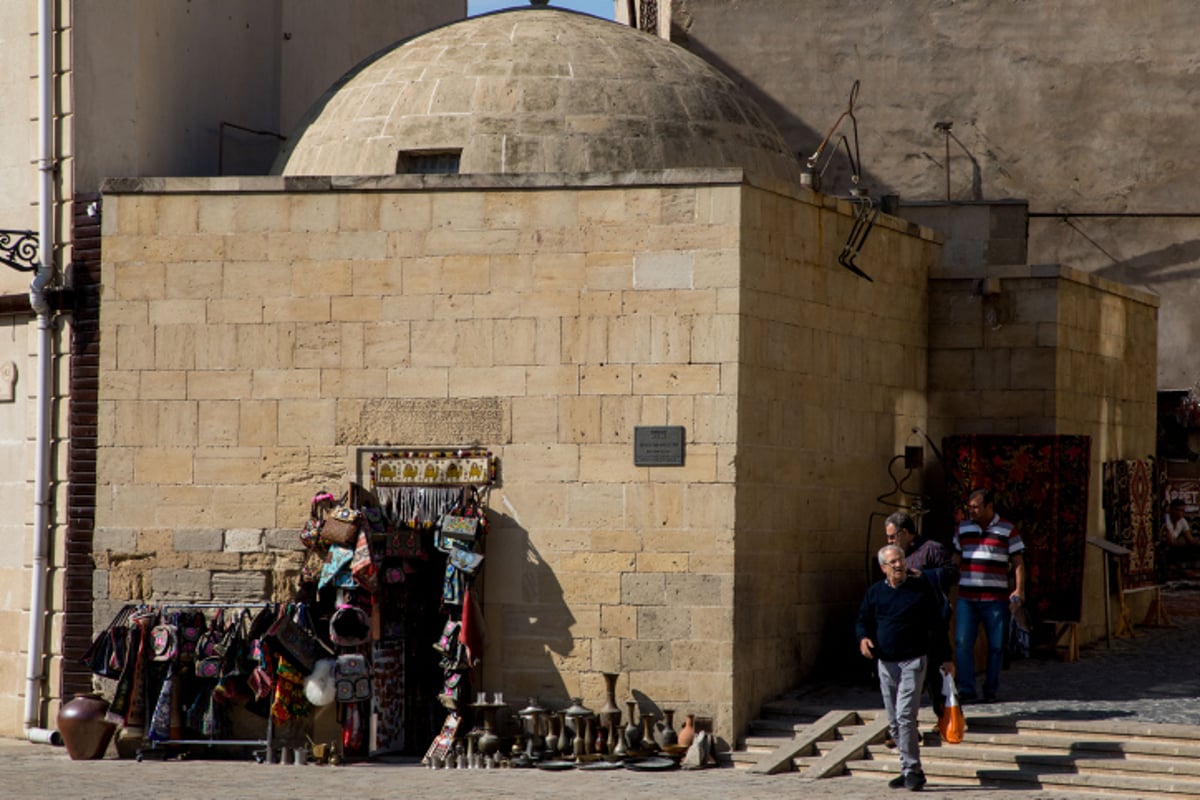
pixel 428 162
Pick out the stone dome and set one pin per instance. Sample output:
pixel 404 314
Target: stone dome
pixel 536 90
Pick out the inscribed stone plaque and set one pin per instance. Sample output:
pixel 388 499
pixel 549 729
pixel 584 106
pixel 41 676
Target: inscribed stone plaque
pixel 427 421
pixel 658 445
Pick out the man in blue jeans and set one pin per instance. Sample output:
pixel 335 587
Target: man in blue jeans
pixel 900 623
pixel 985 546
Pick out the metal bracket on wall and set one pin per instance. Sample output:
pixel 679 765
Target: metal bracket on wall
pixel 19 250
pixel 864 220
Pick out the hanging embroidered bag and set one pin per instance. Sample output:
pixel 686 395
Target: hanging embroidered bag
pixel 353 678
pixel 342 524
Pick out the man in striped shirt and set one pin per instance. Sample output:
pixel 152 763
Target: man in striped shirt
pixel 985 547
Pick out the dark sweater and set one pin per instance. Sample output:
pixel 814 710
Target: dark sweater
pixel 904 622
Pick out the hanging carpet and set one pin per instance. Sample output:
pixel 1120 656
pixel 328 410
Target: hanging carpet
pixel 1041 485
pixel 1132 510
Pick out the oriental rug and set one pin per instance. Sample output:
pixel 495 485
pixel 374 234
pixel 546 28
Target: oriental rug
pixel 1041 485
pixel 1133 492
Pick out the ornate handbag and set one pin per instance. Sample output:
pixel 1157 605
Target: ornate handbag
pixel 465 529
pixel 291 636
pixel 106 654
pixel 341 526
pixel 353 678
pixel 164 641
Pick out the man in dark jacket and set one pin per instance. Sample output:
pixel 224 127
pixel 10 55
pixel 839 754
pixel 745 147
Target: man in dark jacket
pixel 900 624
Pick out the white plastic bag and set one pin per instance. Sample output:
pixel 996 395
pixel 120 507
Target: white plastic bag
pixel 952 724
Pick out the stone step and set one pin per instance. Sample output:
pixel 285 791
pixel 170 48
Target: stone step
pixel 1062 776
pixel 1078 758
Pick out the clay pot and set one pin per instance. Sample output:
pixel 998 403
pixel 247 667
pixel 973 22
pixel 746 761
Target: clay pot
pixel 687 733
pixel 85 730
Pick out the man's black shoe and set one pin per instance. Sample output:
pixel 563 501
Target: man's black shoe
pixel 914 781
pixel 897 782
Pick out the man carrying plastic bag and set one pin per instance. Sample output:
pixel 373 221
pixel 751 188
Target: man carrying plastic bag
pixel 900 623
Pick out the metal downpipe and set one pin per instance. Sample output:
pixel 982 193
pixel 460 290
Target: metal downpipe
pixel 35 670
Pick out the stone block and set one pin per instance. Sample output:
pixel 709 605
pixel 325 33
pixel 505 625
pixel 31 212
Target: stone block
pixel 235 586
pixel 245 540
pixel 639 589
pixel 669 270
pixel 664 622
pixel 218 385
pixel 552 380
pixel 698 590
pixel 595 506
pixel 181 584
pixel 618 622
pixel 296 309
pixel 186 540
pixel 676 379
pixel 579 419
pixel 165 385
pixel 118 541
pixel 279 384
pixel 217 423
pixel 284 538
pixel 628 339
pixel 639 654
pixel 417 382
pixel 535 420
pixel 662 562
pixel 307 422
pixel 608 463
pixel 542 462
pixel 578 562
pixel 162 465
pixel 486 381
pixel 212 562
pixel 606 379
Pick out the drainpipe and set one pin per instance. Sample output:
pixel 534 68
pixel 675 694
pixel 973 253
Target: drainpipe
pixel 35 671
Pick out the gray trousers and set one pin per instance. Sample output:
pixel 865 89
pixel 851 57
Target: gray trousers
pixel 900 682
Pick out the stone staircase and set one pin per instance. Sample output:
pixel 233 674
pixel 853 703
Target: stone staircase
pixel 1099 758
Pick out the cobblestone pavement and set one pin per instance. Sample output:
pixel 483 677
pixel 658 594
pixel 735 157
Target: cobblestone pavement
pixel 1151 678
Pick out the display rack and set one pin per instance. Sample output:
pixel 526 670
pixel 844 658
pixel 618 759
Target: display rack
pixel 162 748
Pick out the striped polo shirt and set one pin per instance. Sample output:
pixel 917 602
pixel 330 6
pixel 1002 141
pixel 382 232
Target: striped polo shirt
pixel 985 555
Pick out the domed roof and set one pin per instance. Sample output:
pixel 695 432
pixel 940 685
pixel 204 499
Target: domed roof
pixel 536 90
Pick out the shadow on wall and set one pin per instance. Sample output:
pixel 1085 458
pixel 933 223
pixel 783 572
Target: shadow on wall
pixel 529 626
pixel 1157 266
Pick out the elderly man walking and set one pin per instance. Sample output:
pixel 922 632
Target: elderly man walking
pixel 900 624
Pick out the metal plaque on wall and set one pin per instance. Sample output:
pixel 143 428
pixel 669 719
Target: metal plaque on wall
pixel 658 445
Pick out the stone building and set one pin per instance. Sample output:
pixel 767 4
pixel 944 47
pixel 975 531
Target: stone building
pixel 624 241
pixel 92 90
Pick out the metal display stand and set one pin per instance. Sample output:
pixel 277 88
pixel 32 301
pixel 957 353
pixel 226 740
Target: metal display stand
pixel 161 749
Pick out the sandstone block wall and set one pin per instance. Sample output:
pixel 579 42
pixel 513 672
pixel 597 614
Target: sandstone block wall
pixel 832 381
pixel 1052 351
pixel 257 345
pixel 254 342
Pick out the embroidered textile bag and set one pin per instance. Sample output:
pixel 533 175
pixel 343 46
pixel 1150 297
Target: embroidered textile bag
pixel 403 543
pixel 353 678
pixel 465 529
pixel 341 526
pixel 164 641
pixel 291 636
pixel 362 565
pixel 106 654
